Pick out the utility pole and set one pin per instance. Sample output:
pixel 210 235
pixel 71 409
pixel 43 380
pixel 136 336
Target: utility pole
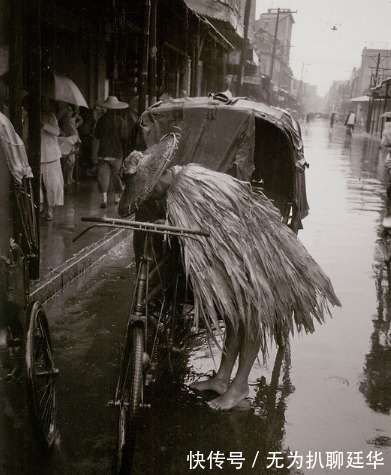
pixel 369 124
pixel 152 54
pixel 377 69
pixel 301 81
pixel 274 45
pixel 275 37
pixel 300 88
pixel 145 59
pixel 244 47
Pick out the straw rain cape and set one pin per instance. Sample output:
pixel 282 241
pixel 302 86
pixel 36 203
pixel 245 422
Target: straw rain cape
pixel 252 268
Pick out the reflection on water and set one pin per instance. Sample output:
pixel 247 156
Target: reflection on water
pixel 376 383
pixel 333 406
pixel 190 427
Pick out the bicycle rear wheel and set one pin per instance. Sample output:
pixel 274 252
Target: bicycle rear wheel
pixel 41 374
pixel 130 403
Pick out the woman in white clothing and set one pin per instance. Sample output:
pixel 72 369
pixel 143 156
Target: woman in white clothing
pixel 52 182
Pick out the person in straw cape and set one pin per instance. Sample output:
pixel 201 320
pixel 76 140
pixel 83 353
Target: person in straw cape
pixel 252 271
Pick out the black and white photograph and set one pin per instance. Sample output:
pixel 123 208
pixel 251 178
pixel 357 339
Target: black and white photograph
pixel 195 237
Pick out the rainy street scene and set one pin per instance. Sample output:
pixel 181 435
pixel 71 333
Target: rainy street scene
pixel 195 237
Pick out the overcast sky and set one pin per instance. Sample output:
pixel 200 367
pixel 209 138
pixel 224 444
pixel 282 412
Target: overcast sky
pixel 330 55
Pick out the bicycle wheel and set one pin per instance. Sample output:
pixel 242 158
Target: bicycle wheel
pixel 130 403
pixel 41 374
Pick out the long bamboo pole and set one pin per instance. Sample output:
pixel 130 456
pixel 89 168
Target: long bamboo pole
pixel 33 34
pixel 145 59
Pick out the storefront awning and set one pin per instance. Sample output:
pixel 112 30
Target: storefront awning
pixel 360 99
pixel 222 15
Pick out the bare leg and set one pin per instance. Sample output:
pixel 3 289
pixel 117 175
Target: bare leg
pixel 69 166
pixel 49 214
pixel 219 382
pixel 104 200
pixel 69 175
pixel 238 389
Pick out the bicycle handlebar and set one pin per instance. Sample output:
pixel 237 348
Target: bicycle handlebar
pixel 143 226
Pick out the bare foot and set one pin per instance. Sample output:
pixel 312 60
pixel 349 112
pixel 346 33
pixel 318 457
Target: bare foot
pixel 213 384
pixel 231 398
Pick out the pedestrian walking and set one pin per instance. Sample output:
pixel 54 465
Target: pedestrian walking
pixel 52 181
pixel 111 131
pixel 350 122
pixel 332 120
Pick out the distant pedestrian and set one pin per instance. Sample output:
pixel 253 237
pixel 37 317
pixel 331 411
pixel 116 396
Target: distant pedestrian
pixel 111 131
pixel 52 182
pixel 350 122
pixel 332 120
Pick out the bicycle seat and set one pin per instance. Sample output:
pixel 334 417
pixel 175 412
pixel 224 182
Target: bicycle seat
pixel 387 222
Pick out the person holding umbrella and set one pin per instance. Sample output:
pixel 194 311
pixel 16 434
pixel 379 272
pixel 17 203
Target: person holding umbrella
pixel 112 135
pixel 52 181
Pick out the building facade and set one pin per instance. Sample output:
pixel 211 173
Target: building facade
pixel 375 67
pixel 273 31
pixel 135 50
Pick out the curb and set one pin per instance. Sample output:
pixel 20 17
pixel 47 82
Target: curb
pixel 57 279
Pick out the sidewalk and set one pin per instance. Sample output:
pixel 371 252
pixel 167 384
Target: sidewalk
pixel 62 259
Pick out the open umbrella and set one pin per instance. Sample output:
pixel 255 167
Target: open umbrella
pixel 61 88
pixel 386 114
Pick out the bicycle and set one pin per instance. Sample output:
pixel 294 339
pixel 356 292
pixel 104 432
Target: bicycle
pixel 159 299
pixel 25 343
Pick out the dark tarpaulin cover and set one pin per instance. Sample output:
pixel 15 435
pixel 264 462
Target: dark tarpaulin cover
pixel 211 136
pixel 235 138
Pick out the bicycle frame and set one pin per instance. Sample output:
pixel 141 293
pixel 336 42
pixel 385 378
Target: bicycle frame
pixel 137 367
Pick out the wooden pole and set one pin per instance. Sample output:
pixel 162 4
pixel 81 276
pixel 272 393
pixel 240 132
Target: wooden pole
pixel 274 45
pixel 33 42
pixel 144 60
pixel 244 48
pixel 153 54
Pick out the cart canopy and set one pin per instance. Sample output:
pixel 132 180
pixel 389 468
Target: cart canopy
pixel 246 139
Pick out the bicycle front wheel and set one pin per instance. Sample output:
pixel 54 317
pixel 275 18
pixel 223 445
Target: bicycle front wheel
pixel 131 400
pixel 41 374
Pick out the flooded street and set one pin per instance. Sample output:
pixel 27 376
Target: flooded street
pixel 341 373
pixel 177 114
pixel 328 398
pixel 321 405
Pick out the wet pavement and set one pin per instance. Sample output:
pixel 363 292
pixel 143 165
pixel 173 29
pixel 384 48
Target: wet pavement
pixel 322 405
pixel 66 249
pixel 341 373
pixel 57 236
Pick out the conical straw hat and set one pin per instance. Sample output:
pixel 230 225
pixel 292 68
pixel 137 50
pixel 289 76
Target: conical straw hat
pixel 112 103
pixel 151 165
